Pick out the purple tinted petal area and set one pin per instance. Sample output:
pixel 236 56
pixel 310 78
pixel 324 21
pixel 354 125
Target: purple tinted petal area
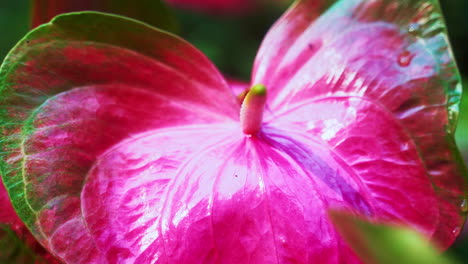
pixel 394 54
pixel 261 199
pixel 373 144
pixel 211 195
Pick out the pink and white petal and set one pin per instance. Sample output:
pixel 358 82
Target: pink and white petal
pixel 393 53
pixel 376 147
pixel 258 199
pixel 73 91
pixel 73 129
pixel 124 192
pixel 234 199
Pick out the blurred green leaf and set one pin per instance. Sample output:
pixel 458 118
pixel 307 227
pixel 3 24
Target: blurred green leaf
pixel 385 244
pixel 231 42
pixel 14 21
pixel 153 12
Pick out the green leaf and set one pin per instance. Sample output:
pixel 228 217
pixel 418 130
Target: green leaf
pixel 386 244
pixel 462 129
pixel 153 12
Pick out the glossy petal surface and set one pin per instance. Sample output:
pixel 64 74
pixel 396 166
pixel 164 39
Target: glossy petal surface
pixel 393 54
pixel 238 199
pixel 124 141
pixel 82 90
pixel 222 200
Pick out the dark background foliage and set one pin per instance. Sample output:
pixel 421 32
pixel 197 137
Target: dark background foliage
pixel 232 41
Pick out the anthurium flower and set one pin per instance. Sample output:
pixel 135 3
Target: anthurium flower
pixel 124 144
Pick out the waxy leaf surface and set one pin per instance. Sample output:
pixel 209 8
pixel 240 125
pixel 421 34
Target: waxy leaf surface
pixel 392 56
pixel 381 243
pixel 124 142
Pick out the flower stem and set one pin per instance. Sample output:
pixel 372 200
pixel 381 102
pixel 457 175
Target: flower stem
pixel 251 112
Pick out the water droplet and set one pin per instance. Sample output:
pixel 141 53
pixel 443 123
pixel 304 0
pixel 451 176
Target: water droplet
pixel 17 227
pixel 414 29
pixel 452 114
pixel 282 240
pixel 404 59
pixel 464 206
pixel 456 231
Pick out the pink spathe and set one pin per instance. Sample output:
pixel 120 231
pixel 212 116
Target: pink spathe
pixel 139 156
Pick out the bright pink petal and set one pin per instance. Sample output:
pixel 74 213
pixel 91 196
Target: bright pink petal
pixel 237 87
pixel 84 90
pixel 230 199
pixel 237 199
pixel 393 54
pixel 131 150
pixel 241 199
pixel 374 146
pixel 126 188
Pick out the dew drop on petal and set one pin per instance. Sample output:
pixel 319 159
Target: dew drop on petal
pixel 452 114
pixel 414 29
pixel 404 59
pixel 456 231
pixel 17 227
pixel 464 206
pixel 282 240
